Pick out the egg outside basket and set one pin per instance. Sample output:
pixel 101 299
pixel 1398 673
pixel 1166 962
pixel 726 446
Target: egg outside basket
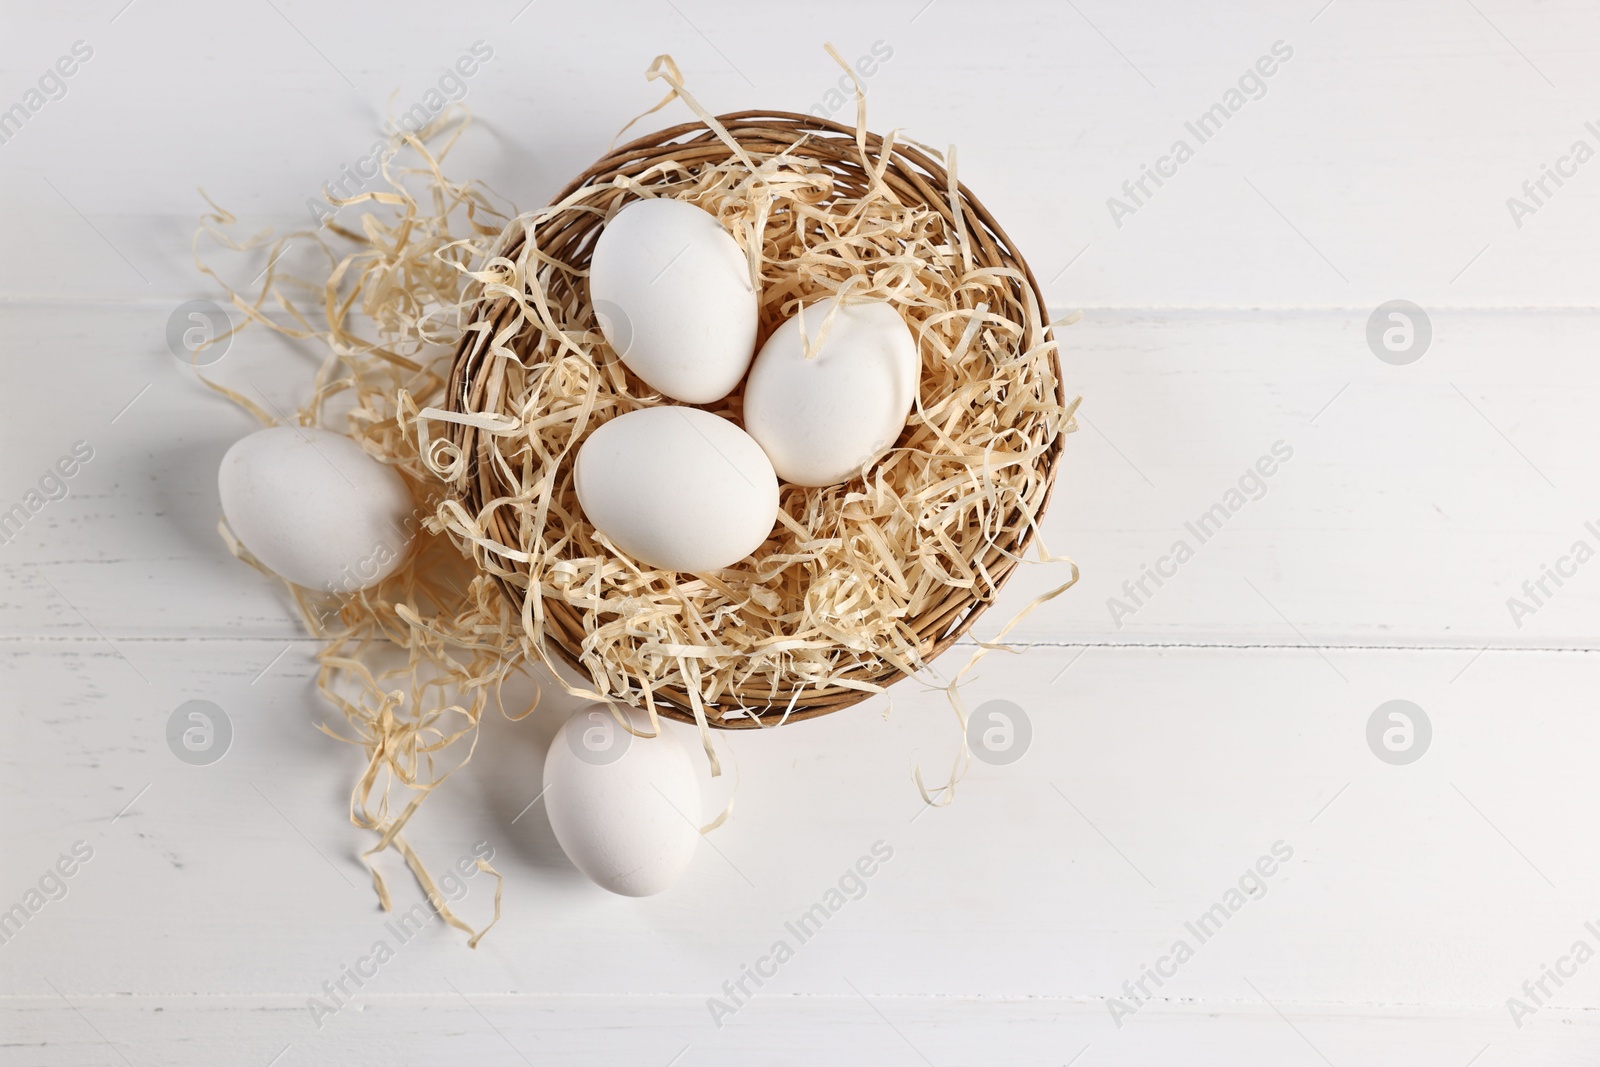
pixel 555 285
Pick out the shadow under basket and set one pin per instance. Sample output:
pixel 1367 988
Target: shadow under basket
pixel 567 239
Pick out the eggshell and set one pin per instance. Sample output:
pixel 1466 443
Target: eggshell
pixel 629 822
pixel 677 488
pixel 671 289
pixel 821 419
pixel 315 508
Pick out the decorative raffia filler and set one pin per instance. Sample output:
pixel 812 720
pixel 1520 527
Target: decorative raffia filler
pixel 462 344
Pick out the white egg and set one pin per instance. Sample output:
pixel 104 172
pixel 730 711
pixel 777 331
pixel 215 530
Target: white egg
pixel 677 488
pixel 624 809
pixel 315 508
pixel 820 419
pixel 672 291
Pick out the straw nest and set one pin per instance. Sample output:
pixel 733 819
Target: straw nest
pixel 459 348
pixel 858 585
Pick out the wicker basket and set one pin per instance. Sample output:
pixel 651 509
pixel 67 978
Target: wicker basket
pixel 915 178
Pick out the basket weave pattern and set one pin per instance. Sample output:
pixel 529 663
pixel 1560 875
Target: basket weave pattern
pixel 916 179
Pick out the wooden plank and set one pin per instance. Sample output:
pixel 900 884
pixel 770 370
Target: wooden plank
pixel 1155 779
pixel 1418 498
pixel 1376 162
pixel 483 1026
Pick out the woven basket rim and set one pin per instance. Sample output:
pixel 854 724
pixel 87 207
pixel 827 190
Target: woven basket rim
pixel 954 622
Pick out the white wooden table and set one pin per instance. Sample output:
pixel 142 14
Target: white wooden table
pixel 1172 747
